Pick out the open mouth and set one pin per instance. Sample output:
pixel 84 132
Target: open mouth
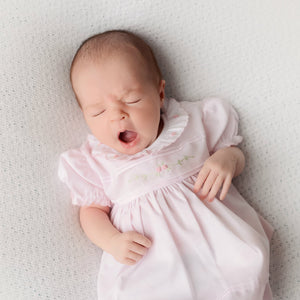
pixel 127 136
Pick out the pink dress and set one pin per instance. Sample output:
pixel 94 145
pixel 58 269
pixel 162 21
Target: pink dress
pixel 200 250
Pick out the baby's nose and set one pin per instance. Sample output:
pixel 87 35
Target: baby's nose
pixel 118 114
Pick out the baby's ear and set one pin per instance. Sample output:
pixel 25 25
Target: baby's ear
pixel 162 92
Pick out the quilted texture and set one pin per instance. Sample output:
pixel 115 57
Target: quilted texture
pixel 245 52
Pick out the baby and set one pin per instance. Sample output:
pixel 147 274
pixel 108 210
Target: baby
pixel 154 183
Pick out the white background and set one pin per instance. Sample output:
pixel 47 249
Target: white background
pixel 244 51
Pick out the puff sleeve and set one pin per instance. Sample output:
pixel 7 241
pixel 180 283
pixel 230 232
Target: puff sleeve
pixel 83 182
pixel 220 121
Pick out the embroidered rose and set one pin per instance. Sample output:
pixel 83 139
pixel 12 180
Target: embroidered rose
pixel 162 168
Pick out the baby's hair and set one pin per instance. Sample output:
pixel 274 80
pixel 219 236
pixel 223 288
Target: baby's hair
pixel 108 42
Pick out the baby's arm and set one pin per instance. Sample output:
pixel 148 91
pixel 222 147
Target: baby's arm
pixel 127 248
pixel 218 170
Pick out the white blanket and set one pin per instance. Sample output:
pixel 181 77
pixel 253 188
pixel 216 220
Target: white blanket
pixel 244 51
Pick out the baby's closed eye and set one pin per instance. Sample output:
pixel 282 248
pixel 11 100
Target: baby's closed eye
pixel 99 113
pixel 132 101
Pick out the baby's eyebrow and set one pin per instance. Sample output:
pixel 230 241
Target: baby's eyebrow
pixel 88 107
pixel 127 92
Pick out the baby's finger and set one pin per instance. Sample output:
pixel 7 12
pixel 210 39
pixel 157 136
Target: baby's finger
pixel 137 248
pixel 141 239
pixel 204 172
pixel 208 184
pixel 134 256
pixel 226 186
pixel 215 188
pixel 128 261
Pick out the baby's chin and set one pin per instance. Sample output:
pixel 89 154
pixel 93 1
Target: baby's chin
pixel 123 149
pixel 131 150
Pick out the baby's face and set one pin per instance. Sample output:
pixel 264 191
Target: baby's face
pixel 120 102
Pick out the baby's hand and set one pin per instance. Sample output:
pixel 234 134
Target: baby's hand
pixel 217 170
pixel 129 247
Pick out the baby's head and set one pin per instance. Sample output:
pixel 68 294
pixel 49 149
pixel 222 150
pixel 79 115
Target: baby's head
pixel 120 90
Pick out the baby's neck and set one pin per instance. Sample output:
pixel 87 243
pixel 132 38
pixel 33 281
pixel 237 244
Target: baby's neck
pixel 160 127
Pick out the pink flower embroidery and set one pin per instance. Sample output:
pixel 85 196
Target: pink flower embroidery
pixel 161 168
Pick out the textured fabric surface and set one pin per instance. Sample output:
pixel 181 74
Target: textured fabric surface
pixel 246 52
